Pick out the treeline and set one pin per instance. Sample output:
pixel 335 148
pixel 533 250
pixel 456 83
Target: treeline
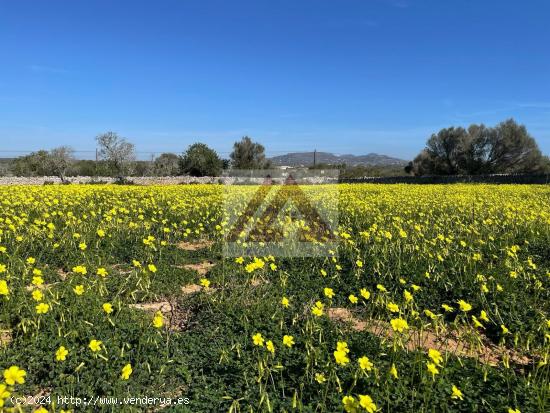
pixel 506 148
pixel 117 158
pixel 351 172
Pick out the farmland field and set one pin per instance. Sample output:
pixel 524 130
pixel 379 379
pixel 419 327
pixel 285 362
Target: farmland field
pixel 436 300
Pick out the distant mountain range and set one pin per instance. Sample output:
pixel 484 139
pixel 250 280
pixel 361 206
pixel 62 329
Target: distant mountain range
pixel 306 159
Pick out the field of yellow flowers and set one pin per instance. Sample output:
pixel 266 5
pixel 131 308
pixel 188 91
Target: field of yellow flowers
pixel 435 300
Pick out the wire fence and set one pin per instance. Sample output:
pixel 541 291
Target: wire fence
pixel 93 154
pixel 6 156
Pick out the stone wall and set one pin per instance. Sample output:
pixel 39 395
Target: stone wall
pixel 455 179
pixel 156 180
pixel 139 180
pixel 178 180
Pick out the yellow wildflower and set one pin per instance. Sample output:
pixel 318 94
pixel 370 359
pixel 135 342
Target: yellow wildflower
pixel 392 307
pixel 108 308
pixel 341 356
pixel 329 292
pixel 61 353
pixel 37 295
pixel 365 363
pixel 483 316
pixel 432 369
pixel 393 371
pixel 126 372
pixel 4 289
pixel 457 394
pixel 95 345
pixel 158 320
pixel 464 306
pixel 320 378
pixel 447 308
pixel 258 339
pixel 288 341
pixel 317 309
pixel 42 308
pixel 367 403
pixel 399 325
pixel 350 404
pixel 435 355
pixel 14 375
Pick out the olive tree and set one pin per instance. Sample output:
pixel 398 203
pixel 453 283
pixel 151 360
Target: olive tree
pixel 248 155
pixel 33 164
pixel 167 164
pixel 505 148
pixel 59 160
pixel 55 162
pixel 118 154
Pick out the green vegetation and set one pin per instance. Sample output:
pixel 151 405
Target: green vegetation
pixel 506 148
pixel 127 276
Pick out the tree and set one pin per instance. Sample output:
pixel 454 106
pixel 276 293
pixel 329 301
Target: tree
pixel 445 150
pixel 5 166
pixel 167 164
pixel 85 167
pixel 506 148
pixel 59 160
pixel 248 155
pixel 142 168
pixel 33 164
pixel 43 163
pixel 200 160
pixel 117 153
pixel 509 148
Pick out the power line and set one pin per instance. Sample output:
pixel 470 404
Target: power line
pixel 159 151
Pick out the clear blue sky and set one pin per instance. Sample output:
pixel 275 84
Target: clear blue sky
pixel 347 76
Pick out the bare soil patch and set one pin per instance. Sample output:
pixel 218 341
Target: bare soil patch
pixel 202 267
pixel 122 269
pixel 194 245
pixel 39 287
pixel 445 341
pixel 5 337
pixel 62 274
pixel 256 282
pixel 33 400
pixel 191 289
pixel 175 316
pixel 163 306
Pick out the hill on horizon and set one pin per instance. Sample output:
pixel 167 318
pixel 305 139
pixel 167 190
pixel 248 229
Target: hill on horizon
pixel 306 159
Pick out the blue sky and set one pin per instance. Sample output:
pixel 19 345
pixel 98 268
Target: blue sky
pixel 347 76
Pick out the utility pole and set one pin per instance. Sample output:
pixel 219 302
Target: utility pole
pixel 314 157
